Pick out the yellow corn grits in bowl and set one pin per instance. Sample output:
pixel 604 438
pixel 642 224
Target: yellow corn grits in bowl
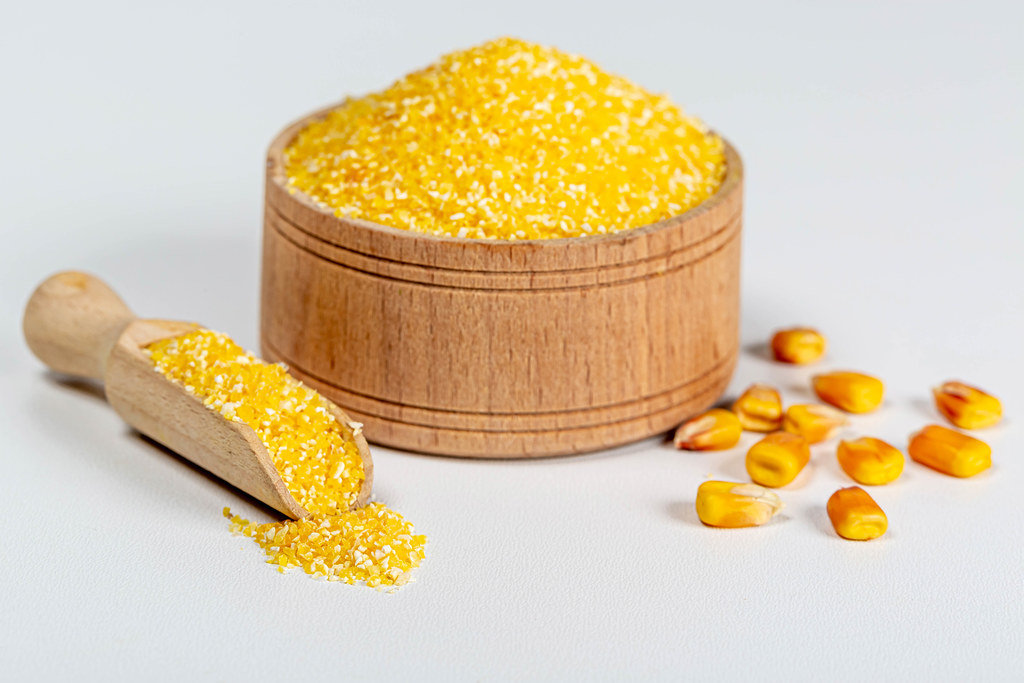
pixel 508 140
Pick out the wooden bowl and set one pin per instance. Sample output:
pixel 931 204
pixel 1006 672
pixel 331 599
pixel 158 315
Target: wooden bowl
pixel 495 348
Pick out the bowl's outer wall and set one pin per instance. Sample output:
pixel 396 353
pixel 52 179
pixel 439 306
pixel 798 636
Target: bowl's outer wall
pixel 491 348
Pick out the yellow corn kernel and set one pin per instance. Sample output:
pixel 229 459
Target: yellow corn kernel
pixel 799 345
pixel 853 392
pixel 967 407
pixel 855 515
pixel 715 430
pixel 733 505
pixel 870 461
pixel 949 451
pixel 759 408
pixel 776 459
pixel 813 422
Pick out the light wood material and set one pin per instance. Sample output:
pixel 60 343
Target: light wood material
pixel 76 324
pixel 494 348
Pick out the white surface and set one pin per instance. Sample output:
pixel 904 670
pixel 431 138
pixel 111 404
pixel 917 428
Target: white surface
pixel 884 154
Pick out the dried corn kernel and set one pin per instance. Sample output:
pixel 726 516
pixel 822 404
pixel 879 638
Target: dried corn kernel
pixel 855 515
pixel 967 407
pixel 733 505
pixel 316 456
pixel 759 408
pixel 813 422
pixel 798 345
pixel 870 461
pixel 715 430
pixel 853 392
pixel 950 452
pixel 776 459
pixel 508 140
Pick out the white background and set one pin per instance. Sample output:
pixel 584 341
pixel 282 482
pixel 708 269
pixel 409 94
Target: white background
pixel 883 144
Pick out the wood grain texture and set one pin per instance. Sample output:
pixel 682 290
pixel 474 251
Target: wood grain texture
pixel 76 324
pixel 72 321
pixel 492 348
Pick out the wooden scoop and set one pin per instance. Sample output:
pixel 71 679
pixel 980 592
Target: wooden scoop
pixel 77 325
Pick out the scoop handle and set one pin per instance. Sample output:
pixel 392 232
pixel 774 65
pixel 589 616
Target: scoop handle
pixel 72 321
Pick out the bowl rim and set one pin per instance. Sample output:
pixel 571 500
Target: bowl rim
pixel 276 173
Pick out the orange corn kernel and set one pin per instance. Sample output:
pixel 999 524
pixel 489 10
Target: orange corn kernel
pixel 950 452
pixel 798 345
pixel 855 515
pixel 776 459
pixel 759 408
pixel 967 407
pixel 734 505
pixel 813 422
pixel 853 392
pixel 870 461
pixel 715 430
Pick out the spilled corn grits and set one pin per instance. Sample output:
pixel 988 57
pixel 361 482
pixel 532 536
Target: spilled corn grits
pixel 373 544
pixel 508 140
pixel 316 455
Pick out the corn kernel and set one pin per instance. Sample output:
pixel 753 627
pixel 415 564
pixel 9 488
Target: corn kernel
pixel 813 422
pixel 715 430
pixel 776 459
pixel 734 505
pixel 967 407
pixel 855 515
pixel 870 461
pixel 950 452
pixel 799 345
pixel 759 408
pixel 853 392
pixel 508 140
